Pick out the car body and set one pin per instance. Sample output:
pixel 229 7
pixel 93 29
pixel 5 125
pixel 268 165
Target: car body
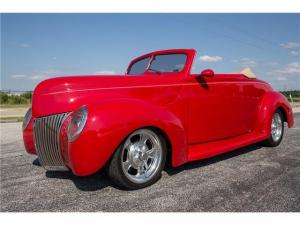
pixel 197 115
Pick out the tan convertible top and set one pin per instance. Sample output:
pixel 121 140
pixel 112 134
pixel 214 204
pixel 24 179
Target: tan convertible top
pixel 248 73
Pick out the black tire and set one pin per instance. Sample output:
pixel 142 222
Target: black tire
pixel 271 142
pixel 117 175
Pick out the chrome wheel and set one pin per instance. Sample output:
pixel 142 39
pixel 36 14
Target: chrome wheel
pixel 276 127
pixel 141 156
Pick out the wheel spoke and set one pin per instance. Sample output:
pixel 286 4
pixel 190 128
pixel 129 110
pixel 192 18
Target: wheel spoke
pixel 279 121
pixel 151 153
pixel 140 170
pixel 126 165
pixel 143 138
pixel 128 143
pixel 146 165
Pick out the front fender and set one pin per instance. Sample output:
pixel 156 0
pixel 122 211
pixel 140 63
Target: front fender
pixel 110 122
pixel 270 102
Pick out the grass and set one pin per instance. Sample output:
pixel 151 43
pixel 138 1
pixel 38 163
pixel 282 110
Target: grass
pixel 295 99
pixel 11 119
pixel 15 113
pixel 2 106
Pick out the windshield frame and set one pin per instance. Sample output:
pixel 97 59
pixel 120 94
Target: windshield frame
pixel 151 60
pixel 189 53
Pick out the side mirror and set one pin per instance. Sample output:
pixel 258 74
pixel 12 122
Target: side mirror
pixel 207 73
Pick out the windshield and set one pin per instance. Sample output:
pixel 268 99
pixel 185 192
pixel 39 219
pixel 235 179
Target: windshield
pixel 139 67
pixel 168 63
pixel 160 63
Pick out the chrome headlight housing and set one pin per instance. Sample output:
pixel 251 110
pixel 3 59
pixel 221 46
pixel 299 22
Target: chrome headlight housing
pixel 27 118
pixel 77 123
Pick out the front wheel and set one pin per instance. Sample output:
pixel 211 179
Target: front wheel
pixel 139 160
pixel 277 129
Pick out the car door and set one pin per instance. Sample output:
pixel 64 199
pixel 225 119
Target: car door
pixel 216 108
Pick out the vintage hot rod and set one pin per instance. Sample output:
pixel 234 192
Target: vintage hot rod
pixel 129 123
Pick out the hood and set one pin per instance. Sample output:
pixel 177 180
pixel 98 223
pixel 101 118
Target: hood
pixel 83 83
pixel 66 94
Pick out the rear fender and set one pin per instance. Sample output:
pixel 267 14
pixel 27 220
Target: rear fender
pixel 270 102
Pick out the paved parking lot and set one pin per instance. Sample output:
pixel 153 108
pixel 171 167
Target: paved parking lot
pixel 249 179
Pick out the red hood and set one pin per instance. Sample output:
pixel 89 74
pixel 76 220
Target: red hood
pixel 83 83
pixel 65 94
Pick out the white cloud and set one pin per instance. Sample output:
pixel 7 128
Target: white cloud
pixel 290 70
pixel 18 76
pixel 64 68
pixel 295 52
pixel 207 58
pixel 248 62
pixel 290 45
pixel 25 45
pixel 271 64
pixel 49 72
pixel 105 72
pixel 245 62
pixel 38 77
pixel 280 78
pixel 44 74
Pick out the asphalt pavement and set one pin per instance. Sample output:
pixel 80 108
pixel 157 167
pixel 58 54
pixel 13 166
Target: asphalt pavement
pixel 253 178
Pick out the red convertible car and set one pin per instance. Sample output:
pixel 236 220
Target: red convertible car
pixel 130 123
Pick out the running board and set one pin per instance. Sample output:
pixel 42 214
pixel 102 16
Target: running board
pixel 210 149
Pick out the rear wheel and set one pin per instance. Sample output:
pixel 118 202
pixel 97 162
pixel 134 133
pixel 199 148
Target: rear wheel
pixel 277 129
pixel 139 160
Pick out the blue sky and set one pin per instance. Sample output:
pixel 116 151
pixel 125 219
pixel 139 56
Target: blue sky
pixel 38 46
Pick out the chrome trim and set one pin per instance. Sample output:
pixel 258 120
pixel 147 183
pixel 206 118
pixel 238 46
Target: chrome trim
pixel 46 141
pixel 27 118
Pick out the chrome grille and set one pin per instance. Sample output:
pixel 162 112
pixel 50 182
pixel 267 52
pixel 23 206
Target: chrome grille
pixel 46 140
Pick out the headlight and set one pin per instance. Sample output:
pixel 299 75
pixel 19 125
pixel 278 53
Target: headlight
pixel 27 118
pixel 77 123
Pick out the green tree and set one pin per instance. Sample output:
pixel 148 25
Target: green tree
pixel 3 97
pixel 15 99
pixel 27 95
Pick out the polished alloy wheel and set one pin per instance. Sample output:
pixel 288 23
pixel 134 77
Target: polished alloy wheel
pixel 141 156
pixel 276 127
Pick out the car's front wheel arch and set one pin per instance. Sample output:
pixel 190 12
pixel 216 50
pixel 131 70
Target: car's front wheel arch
pixel 283 112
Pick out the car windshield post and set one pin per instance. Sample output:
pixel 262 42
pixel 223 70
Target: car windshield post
pixel 149 63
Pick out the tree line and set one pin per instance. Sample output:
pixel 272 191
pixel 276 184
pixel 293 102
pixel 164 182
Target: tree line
pixel 294 93
pixel 12 99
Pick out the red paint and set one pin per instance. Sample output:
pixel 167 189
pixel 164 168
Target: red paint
pixel 202 115
pixel 208 73
pixel 28 138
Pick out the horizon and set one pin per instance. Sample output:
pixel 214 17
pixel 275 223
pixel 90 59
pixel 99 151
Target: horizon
pixel 35 47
